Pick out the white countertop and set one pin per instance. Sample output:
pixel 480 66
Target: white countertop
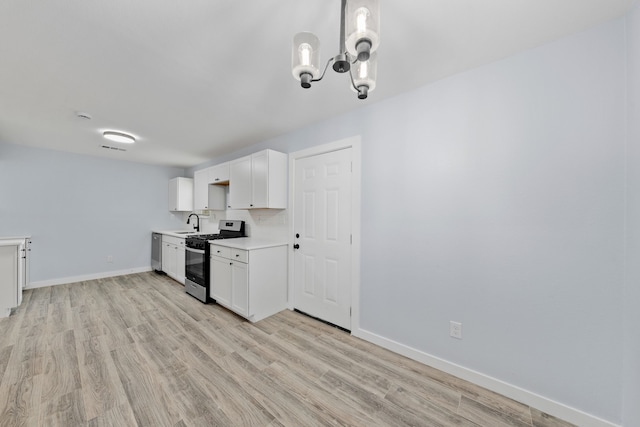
pixel 182 234
pixel 13 240
pixel 248 243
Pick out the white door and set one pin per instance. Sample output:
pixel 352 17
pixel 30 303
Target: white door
pixel 322 228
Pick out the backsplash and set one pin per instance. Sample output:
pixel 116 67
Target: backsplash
pixel 259 223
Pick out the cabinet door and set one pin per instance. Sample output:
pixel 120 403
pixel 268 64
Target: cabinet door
pixel 181 194
pixel 219 174
pixel 240 183
pixel 169 259
pixel 220 276
pixel 240 288
pixel 9 278
pixel 260 179
pixel 180 263
pixel 201 190
pixel 173 194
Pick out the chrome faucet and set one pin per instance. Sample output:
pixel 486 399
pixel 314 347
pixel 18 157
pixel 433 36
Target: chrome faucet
pixel 197 226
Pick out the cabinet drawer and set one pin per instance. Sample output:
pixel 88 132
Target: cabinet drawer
pixel 172 240
pixel 240 255
pixel 221 251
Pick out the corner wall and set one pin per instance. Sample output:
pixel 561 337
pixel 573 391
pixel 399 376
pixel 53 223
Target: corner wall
pixel 80 209
pixel 631 375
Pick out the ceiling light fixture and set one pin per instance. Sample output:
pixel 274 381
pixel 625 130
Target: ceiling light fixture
pixel 121 137
pixel 359 39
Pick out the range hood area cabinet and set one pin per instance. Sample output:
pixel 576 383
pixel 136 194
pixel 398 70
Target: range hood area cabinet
pixel 206 195
pixel 258 181
pixel 181 194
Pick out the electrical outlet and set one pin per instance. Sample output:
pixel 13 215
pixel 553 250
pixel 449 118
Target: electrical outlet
pixel 110 258
pixel 455 329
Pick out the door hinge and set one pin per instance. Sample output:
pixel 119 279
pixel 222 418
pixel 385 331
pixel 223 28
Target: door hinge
pixel 351 166
pixel 351 239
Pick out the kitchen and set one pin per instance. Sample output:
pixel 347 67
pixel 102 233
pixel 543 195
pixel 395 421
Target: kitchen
pixel 469 185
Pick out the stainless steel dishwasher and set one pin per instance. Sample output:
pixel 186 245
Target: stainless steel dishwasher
pixel 156 252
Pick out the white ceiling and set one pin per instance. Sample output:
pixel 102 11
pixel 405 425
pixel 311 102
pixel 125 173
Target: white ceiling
pixel 195 79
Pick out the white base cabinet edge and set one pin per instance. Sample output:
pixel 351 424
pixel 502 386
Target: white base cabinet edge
pixel 255 289
pixel 173 257
pixel 13 273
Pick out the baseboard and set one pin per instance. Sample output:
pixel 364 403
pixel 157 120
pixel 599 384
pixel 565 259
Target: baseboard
pixel 74 279
pixel 542 403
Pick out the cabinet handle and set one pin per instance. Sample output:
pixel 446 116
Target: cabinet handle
pixel 296 246
pixel 237 255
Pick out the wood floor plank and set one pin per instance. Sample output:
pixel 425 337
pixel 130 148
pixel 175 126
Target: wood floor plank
pixel 59 317
pixel 101 388
pixel 540 419
pixel 422 385
pixel 487 416
pixel 322 399
pixel 145 393
pixel 121 415
pixel 64 410
pixel 61 374
pixel 427 409
pixel 280 402
pixel 225 391
pixel 5 355
pixel 137 351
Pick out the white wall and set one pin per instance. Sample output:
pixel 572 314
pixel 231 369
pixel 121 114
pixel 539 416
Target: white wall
pixel 631 403
pixel 513 178
pixel 80 209
pixel 496 198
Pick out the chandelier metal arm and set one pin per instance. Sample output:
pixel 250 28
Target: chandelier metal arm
pixel 325 70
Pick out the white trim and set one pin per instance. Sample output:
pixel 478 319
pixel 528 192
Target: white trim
pixel 516 393
pixel 354 143
pixel 94 276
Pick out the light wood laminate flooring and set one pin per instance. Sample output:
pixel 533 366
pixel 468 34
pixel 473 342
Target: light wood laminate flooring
pixel 137 351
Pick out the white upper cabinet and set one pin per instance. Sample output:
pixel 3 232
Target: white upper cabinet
pixel 181 194
pixel 219 174
pixel 207 196
pixel 240 184
pixel 258 181
pixel 200 194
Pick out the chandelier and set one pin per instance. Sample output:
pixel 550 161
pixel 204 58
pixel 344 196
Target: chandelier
pixel 359 40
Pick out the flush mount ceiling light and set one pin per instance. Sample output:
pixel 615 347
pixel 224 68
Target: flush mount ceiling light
pixel 359 39
pixel 121 137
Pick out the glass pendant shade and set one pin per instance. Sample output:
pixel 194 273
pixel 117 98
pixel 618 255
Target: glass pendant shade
pixel 305 58
pixel 362 30
pixel 364 75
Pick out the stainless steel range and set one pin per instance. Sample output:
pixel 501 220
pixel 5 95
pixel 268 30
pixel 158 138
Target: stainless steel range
pixel 197 257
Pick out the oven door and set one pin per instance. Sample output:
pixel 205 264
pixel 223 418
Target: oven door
pixel 195 264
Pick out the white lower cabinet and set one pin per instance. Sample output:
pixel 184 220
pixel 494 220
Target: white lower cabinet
pixel 251 283
pixel 173 254
pixel 221 276
pixel 14 272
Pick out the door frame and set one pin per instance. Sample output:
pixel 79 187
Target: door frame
pixel 354 143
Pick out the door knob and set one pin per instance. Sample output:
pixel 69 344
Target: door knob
pixel 296 246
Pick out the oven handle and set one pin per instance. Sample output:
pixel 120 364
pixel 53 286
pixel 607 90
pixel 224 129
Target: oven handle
pixel 198 251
